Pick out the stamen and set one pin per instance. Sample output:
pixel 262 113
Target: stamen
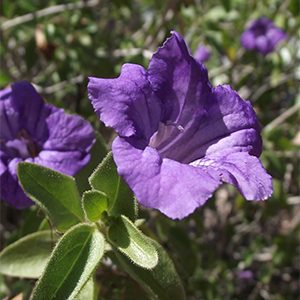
pixel 164 135
pixel 32 148
pixel 180 128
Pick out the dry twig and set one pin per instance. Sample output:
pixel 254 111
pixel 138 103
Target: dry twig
pixel 55 9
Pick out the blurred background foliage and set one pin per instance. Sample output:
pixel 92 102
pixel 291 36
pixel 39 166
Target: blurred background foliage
pixel 230 248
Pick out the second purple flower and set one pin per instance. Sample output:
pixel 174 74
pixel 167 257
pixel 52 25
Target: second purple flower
pixel 262 36
pixel 36 132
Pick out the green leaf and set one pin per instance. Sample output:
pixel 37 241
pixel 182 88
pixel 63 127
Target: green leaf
pixel 56 193
pixel 128 239
pixel 72 263
pixel 294 7
pixel 4 290
pixel 4 79
pixel 161 282
pixel 31 220
pixel 28 256
pixel 106 179
pixel 88 292
pixel 226 4
pixel 94 204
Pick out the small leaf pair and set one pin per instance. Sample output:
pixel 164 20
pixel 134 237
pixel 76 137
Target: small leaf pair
pixel 106 179
pixel 110 193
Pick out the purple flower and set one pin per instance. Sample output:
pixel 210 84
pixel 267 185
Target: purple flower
pixel 40 133
pixel 262 36
pixel 202 54
pixel 245 274
pixel 179 137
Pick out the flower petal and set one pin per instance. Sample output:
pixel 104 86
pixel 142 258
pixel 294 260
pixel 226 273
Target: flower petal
pixel 30 106
pixel 178 79
pixel 248 40
pixel 275 35
pixel 68 133
pixel 126 103
pixel 235 121
pixel 11 191
pixel 173 188
pixel 245 172
pixel 9 117
pixel 263 45
pixel 67 162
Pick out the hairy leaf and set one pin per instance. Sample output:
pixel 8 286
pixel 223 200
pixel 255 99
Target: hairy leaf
pixel 72 263
pixel 162 282
pixel 94 204
pixel 128 239
pixel 56 193
pixel 28 256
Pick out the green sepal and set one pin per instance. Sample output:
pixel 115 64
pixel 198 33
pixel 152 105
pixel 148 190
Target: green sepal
pixel 107 180
pixel 28 256
pixel 56 193
pixel 127 238
pixel 72 263
pixel 94 204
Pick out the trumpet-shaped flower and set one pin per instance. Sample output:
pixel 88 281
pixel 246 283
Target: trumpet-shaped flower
pixel 180 137
pixel 36 132
pixel 262 35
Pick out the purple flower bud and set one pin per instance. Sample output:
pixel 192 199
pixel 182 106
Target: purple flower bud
pixel 202 54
